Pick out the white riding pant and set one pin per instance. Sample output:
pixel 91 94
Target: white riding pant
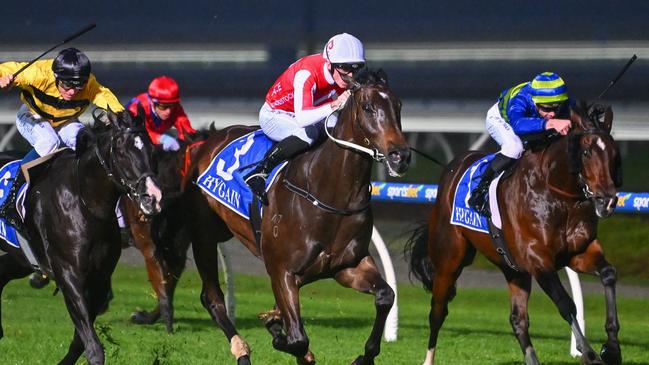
pixel 279 124
pixel 41 135
pixel 510 144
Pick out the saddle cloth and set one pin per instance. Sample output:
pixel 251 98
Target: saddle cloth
pixel 223 179
pixel 7 173
pixel 465 216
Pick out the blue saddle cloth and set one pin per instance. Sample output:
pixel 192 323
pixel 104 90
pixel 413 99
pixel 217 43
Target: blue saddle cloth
pixel 7 173
pixel 223 179
pixel 463 215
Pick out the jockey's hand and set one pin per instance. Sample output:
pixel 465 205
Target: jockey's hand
pixel 560 125
pixel 169 143
pixel 6 81
pixel 340 102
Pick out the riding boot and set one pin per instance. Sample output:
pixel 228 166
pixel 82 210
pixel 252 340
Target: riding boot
pixel 8 209
pixel 285 149
pixel 478 200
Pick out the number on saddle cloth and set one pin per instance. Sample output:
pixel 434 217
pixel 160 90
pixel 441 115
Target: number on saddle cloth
pixel 224 181
pixel 7 175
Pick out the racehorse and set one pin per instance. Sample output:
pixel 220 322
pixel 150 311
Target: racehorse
pixel 551 204
pixel 163 239
pixel 304 240
pixel 72 224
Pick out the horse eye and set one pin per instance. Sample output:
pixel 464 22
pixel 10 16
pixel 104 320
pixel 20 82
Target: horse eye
pixel 367 108
pixel 586 153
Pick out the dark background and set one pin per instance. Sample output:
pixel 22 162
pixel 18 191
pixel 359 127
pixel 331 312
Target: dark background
pixel 284 27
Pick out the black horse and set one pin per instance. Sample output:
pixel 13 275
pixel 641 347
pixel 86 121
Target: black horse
pixel 71 219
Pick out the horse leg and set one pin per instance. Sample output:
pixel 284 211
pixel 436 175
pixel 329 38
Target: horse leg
pixel 366 278
pixel 274 324
pixel 551 285
pixel 82 314
pixel 10 269
pixel 520 286
pixel 143 242
pixel 295 341
pixel 593 261
pixel 212 298
pixel 448 252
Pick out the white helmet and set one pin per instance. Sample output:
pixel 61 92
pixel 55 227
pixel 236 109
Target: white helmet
pixel 344 48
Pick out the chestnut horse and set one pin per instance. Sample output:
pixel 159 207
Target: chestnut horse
pixel 549 208
pixel 72 224
pixel 301 242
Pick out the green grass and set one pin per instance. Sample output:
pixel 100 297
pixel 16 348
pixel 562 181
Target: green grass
pixel 338 320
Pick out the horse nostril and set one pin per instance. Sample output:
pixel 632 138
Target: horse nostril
pixel 395 156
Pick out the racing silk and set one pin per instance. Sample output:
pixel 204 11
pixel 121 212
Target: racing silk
pixel 306 89
pixel 156 126
pixel 518 109
pixel 42 96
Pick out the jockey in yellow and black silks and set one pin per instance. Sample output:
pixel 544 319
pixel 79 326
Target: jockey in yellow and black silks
pixel 55 93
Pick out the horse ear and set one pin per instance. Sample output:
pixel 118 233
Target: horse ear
pixel 353 85
pixel 607 124
pixel 84 137
pixel 579 118
pixel 100 115
pixel 382 75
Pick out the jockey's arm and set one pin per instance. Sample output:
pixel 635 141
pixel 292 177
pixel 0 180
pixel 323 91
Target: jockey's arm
pixel 102 97
pixel 305 112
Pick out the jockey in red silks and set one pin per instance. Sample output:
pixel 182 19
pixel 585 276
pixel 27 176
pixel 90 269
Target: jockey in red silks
pixel 162 110
pixel 302 97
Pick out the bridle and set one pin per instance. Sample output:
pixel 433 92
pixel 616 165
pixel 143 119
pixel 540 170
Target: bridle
pixel 373 152
pixel 127 186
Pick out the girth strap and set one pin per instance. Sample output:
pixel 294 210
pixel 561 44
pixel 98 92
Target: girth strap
pixel 318 203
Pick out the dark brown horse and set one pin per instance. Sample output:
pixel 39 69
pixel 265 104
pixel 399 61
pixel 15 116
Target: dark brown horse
pixel 550 207
pixel 302 242
pixel 163 239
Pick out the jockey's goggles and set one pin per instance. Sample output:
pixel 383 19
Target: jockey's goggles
pixel 72 84
pixel 164 106
pixel 349 67
pixel 547 108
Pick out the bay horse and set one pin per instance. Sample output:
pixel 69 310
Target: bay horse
pixel 71 219
pixel 549 208
pixel 300 241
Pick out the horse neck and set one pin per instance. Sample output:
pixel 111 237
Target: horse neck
pixel 552 167
pixel 349 171
pixel 98 191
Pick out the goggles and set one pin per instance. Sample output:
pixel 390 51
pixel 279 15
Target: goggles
pixel 349 67
pixel 164 106
pixel 547 108
pixel 72 84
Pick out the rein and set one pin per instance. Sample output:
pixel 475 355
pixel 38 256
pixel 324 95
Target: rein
pixel 373 152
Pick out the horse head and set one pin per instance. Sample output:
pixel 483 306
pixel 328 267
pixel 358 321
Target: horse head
pixel 125 151
pixel 375 113
pixel 594 156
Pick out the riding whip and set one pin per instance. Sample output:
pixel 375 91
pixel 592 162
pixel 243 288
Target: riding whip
pixel 68 39
pixel 619 75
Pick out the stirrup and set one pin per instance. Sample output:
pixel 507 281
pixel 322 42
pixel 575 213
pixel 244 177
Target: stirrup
pixel 263 175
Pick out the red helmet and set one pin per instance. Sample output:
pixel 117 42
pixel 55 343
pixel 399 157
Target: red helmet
pixel 164 89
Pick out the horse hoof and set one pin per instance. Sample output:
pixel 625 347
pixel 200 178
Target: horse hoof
pixel 38 281
pixel 591 358
pixel 308 359
pixel 361 361
pixel 611 355
pixel 142 317
pixel 244 360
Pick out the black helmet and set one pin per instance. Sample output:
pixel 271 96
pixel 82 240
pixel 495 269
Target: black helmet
pixel 71 65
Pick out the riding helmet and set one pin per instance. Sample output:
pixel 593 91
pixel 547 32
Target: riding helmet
pixel 344 48
pixel 71 65
pixel 548 88
pixel 164 89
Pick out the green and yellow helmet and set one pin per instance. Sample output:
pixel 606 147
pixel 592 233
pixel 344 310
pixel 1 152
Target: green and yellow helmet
pixel 548 88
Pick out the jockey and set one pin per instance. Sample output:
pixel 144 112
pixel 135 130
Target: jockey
pixel 305 94
pixel 527 108
pixel 55 93
pixel 162 110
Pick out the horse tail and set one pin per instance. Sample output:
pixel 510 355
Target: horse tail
pixel 416 252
